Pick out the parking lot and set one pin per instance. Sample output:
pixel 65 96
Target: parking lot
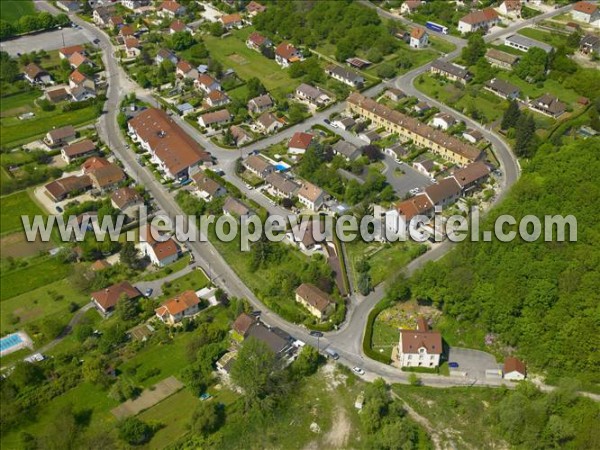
pixel 473 362
pixel 49 40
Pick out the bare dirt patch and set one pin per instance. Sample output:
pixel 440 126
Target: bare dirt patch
pixel 149 398
pixel 238 59
pixel 404 315
pixel 16 246
pixel 338 436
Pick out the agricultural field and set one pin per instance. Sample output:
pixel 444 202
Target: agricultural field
pixel 12 207
pixel 12 10
pixel 233 53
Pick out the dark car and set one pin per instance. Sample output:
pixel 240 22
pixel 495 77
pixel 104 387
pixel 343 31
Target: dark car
pixel 316 334
pixel 327 121
pixel 59 209
pixel 256 313
pixel 96 41
pixel 453 365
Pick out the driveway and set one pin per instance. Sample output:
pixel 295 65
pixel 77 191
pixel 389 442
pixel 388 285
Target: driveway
pixel 403 182
pixel 48 40
pixel 473 362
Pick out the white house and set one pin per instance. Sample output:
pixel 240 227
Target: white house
pixel 311 196
pixel 420 347
pixel 478 20
pixel 410 6
pixel 510 8
pixel 514 369
pixel 443 121
pixel 585 12
pixel 286 53
pixel 418 37
pixel 161 253
pixel 176 309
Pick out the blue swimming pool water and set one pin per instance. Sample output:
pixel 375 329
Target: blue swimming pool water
pixel 10 341
pixel 281 167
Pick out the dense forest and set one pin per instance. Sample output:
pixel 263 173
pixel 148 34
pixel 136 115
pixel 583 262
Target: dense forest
pixel 541 298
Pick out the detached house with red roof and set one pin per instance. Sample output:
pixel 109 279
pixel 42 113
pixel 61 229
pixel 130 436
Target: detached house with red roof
pixel 160 252
pixel 299 143
pixel 585 12
pixel 171 9
pixel 106 299
pixel 132 47
pixel 421 347
pixel 510 8
pixel 478 20
pixel 418 37
pixel 176 309
pixel 66 52
pixel 286 54
pixel 178 26
pixel 77 79
pixel 514 369
pixel 253 8
pixel 256 40
pixel 231 21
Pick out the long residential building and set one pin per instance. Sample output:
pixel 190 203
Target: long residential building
pixel 408 127
pixel 169 145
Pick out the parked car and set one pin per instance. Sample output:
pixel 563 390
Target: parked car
pixel 332 354
pixel 256 313
pixel 59 209
pixel 453 365
pixel 316 334
pixel 327 121
pixel 148 292
pixel 358 370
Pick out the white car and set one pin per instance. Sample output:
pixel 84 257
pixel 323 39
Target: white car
pixel 358 370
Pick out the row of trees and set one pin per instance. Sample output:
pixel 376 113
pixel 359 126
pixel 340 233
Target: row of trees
pixel 29 23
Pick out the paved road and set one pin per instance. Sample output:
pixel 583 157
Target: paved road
pixel 348 340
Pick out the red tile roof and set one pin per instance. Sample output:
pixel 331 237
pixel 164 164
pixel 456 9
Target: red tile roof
pixel 413 340
pixel 168 141
pixel 178 304
pixel 132 42
pixel 108 297
pixel 314 296
pixel 77 59
pixel 300 140
pixel 80 148
pixel 68 51
pixel 257 39
pixel 286 50
pixel 243 323
pixel 585 7
pixel 231 18
pixel 512 364
pixel 170 5
pixel 77 77
pixel 178 25
pixel 417 32
pixel 476 17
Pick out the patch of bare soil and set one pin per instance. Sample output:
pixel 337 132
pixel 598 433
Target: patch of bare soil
pixel 338 436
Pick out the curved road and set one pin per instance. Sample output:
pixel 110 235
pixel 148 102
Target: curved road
pixel 348 340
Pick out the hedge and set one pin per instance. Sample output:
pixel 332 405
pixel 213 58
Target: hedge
pixel 367 340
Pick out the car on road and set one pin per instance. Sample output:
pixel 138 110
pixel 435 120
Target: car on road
pixel 148 292
pixel 59 209
pixel 358 370
pixel 256 313
pixel 331 353
pixel 414 191
pixel 327 121
pixel 453 365
pixel 96 41
pixel 316 334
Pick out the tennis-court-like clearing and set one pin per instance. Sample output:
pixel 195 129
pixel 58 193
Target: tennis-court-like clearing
pixel 149 398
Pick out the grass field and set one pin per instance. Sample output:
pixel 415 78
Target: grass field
pixel 14 131
pixel 195 280
pixel 12 10
pixel 169 359
pixel 12 207
pixel 39 303
pixel 19 100
pixel 233 53
pixel 171 268
pixel 89 400
pixel 556 40
pixel 39 272
pixel 385 259
pixel 174 412
pixel 489 105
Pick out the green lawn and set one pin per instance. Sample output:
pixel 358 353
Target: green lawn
pixel 556 40
pixel 12 10
pixel 233 53
pixel 169 359
pixel 12 207
pixel 174 412
pixel 164 271
pixel 384 338
pixel 195 280
pixel 39 272
pixel 550 86
pixel 14 131
pixel 86 398
pixel 386 260
pixel 18 100
pixel 441 45
pixel 489 105
pixel 37 304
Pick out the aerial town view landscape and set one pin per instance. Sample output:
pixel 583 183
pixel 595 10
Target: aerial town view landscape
pixel 299 224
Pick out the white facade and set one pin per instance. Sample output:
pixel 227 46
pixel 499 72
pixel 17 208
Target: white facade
pixel 514 376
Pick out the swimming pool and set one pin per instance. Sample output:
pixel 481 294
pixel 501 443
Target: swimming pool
pixel 282 167
pixel 10 341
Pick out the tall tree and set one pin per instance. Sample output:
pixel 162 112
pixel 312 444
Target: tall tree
pixel 474 50
pixel 511 115
pixel 253 370
pixel 525 136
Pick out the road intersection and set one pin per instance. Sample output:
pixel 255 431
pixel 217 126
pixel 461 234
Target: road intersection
pixel 347 341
